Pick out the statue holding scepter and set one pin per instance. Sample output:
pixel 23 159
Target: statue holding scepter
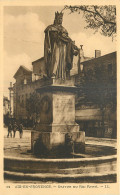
pixel 59 49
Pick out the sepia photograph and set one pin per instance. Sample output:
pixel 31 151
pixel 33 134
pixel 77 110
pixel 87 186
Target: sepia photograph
pixel 60 94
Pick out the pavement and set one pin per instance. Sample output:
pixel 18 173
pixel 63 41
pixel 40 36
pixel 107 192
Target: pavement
pixel 20 147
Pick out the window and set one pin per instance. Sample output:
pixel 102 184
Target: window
pixel 25 81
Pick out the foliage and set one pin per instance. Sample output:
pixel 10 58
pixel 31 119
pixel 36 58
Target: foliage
pixel 100 89
pixel 33 104
pixel 101 18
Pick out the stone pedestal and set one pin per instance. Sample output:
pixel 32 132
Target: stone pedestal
pixel 57 133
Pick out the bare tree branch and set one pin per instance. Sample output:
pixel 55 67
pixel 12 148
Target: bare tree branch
pixel 104 20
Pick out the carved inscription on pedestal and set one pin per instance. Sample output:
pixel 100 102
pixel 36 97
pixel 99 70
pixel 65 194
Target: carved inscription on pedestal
pixel 63 109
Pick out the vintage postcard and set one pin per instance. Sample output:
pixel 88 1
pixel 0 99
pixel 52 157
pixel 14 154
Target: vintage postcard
pixel 59 94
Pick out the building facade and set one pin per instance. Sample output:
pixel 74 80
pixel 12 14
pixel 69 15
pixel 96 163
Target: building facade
pixel 96 107
pixel 95 104
pixel 6 109
pixel 6 105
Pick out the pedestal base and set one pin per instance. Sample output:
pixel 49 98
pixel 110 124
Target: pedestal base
pixel 49 144
pixel 58 128
pixel 57 133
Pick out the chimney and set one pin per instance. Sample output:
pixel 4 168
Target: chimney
pixel 97 53
pixel 81 53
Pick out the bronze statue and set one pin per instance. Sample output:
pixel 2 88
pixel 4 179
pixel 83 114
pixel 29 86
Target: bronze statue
pixel 58 49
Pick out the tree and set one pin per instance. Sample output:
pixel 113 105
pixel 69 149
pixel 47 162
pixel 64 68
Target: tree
pixel 100 89
pixel 101 18
pixel 33 106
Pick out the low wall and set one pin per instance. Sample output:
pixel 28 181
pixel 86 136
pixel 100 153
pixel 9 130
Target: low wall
pixel 60 168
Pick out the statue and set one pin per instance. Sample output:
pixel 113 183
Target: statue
pixel 59 49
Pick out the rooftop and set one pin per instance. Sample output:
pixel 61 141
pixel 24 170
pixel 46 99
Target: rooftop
pixel 40 59
pixel 98 58
pixel 24 68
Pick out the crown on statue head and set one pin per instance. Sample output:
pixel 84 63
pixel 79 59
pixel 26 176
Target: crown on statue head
pixel 58 15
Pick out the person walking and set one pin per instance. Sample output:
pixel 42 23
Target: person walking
pixel 21 130
pixel 14 129
pixel 9 130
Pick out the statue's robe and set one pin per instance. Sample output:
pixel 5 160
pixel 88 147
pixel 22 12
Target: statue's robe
pixel 58 51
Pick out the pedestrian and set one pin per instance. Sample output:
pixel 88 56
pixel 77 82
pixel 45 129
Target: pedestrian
pixel 9 130
pixel 21 130
pixel 15 127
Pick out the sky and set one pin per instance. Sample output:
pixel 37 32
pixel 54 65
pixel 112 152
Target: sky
pixel 24 37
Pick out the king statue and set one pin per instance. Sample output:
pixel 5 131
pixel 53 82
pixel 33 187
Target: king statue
pixel 59 49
